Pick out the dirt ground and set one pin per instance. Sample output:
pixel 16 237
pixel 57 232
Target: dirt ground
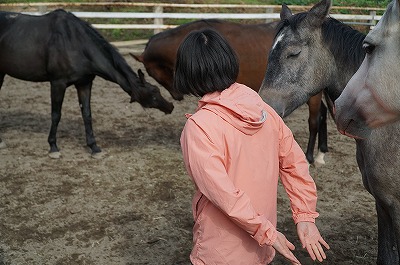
pixel 133 205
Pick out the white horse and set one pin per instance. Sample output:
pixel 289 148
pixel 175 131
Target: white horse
pixel 372 96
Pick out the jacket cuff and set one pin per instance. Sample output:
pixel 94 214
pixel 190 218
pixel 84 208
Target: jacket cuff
pixel 305 218
pixel 266 234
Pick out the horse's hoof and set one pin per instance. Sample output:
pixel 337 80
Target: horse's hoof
pixel 98 155
pixel 3 145
pixel 55 155
pixel 319 159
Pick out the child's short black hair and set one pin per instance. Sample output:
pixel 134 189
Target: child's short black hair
pixel 205 63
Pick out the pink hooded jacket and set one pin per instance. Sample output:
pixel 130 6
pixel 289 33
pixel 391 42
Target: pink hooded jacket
pixel 235 147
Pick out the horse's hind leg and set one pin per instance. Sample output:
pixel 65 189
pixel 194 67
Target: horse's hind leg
pixel 57 98
pixel 2 144
pixel 314 104
pixel 84 94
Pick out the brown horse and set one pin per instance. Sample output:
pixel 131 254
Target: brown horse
pixel 252 43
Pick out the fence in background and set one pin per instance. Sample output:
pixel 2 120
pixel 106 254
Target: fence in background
pixel 158 15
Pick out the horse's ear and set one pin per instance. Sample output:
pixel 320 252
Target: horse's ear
pixel 318 13
pixel 285 12
pixel 138 58
pixel 396 9
pixel 141 76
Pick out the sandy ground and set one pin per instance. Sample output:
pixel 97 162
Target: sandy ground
pixel 133 205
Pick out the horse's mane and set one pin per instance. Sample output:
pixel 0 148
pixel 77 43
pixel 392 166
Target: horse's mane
pixel 343 41
pixel 115 57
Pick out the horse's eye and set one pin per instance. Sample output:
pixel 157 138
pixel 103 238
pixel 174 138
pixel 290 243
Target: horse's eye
pixel 293 54
pixel 368 47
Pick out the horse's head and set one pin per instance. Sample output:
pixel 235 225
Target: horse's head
pixel 163 73
pixel 372 96
pixel 298 61
pixel 161 68
pixel 149 96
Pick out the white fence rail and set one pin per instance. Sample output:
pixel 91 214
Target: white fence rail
pixel 158 15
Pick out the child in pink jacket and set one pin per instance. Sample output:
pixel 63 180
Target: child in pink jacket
pixel 235 147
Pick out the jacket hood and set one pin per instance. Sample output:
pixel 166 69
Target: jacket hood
pixel 239 105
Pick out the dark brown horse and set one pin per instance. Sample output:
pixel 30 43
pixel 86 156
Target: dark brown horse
pixel 64 50
pixel 252 44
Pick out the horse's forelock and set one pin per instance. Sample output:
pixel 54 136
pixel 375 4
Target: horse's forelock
pixel 293 22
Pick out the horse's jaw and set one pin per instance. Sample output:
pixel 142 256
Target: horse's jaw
pixel 354 130
pixel 349 123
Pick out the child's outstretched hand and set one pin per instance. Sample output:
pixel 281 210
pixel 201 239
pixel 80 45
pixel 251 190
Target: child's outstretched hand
pixel 312 240
pixel 285 248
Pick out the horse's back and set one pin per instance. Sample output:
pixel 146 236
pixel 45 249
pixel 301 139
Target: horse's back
pixel 15 26
pixel 23 41
pixel 241 36
pixel 40 48
pixel 251 42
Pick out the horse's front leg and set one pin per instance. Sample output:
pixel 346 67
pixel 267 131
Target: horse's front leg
pixel 314 104
pixel 57 97
pixel 2 144
pixel 84 95
pixel 322 134
pixel 387 242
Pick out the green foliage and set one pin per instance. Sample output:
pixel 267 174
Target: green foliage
pixel 41 1
pixel 120 34
pixel 360 3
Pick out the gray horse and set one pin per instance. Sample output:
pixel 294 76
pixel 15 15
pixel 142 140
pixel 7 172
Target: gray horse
pixel 372 96
pixel 311 53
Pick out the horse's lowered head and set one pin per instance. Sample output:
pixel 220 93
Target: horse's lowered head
pixel 372 96
pixel 160 68
pixel 292 58
pixel 149 96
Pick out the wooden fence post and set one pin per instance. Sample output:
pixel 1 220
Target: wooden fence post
pixel 42 9
pixel 269 11
pixel 372 22
pixel 158 21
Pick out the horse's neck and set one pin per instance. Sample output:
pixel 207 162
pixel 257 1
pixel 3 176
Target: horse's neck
pixel 345 44
pixel 114 68
pixel 333 91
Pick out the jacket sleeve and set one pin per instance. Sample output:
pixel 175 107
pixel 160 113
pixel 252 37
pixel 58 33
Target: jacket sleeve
pixel 204 161
pixel 296 178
